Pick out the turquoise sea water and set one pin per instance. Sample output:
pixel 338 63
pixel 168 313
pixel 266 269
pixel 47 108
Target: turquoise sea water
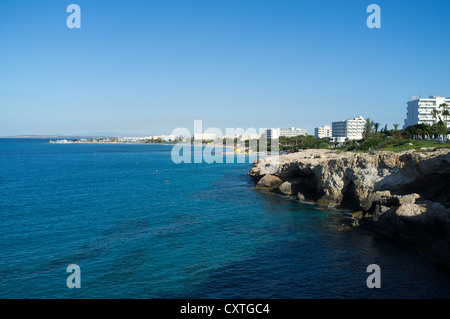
pixel 140 226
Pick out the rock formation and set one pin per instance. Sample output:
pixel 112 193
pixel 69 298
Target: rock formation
pixel 405 194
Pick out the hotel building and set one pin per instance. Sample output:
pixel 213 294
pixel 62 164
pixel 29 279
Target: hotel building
pixel 292 131
pixel 420 111
pixel 350 129
pixel 275 133
pixel 272 133
pixel 323 132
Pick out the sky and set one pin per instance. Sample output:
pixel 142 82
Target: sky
pixel 146 67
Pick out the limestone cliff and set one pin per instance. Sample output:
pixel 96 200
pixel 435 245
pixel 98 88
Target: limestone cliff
pixel 405 194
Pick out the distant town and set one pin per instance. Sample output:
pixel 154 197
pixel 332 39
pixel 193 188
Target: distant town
pixel 426 119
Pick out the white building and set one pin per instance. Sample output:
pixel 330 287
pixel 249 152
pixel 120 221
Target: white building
pixel 168 137
pixel 323 132
pixel 275 133
pixel 419 111
pixel 204 136
pixel 292 131
pixel 350 129
pixel 246 137
pixel 272 133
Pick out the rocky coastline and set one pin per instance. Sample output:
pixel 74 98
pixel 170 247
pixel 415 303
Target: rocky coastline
pixel 396 194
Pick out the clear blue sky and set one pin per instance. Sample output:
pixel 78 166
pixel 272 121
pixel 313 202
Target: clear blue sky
pixel 147 67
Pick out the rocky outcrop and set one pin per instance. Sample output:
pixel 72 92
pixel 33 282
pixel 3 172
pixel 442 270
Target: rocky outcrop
pixel 269 182
pixel 348 179
pixel 405 194
pixel 424 222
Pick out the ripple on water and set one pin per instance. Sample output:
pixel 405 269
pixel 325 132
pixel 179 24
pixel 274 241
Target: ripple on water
pixel 206 233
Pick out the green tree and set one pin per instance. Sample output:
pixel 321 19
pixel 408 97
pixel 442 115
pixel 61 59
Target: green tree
pixel 417 133
pixel 445 112
pixel 368 129
pixel 435 113
pixel 441 129
pixel 376 126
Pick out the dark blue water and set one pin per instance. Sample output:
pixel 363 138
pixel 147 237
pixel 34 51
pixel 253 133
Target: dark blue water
pixel 140 226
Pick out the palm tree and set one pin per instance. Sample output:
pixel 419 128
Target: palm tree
pixel 396 134
pixel 433 131
pixel 427 131
pixel 395 128
pixel 445 114
pixel 368 128
pixel 377 126
pixel 435 113
pixel 445 111
pixel 419 134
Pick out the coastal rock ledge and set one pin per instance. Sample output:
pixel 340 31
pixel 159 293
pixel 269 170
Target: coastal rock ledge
pixel 396 194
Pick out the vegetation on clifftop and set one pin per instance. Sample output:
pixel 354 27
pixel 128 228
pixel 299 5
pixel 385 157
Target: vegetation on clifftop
pixel 413 137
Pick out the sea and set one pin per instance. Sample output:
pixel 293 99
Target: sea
pixel 139 225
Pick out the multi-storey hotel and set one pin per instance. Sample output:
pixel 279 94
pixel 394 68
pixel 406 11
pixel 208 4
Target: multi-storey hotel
pixel 272 133
pixel 323 132
pixel 292 131
pixel 275 133
pixel 350 129
pixel 420 111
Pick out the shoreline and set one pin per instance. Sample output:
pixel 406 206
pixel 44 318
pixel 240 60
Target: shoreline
pixel 226 149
